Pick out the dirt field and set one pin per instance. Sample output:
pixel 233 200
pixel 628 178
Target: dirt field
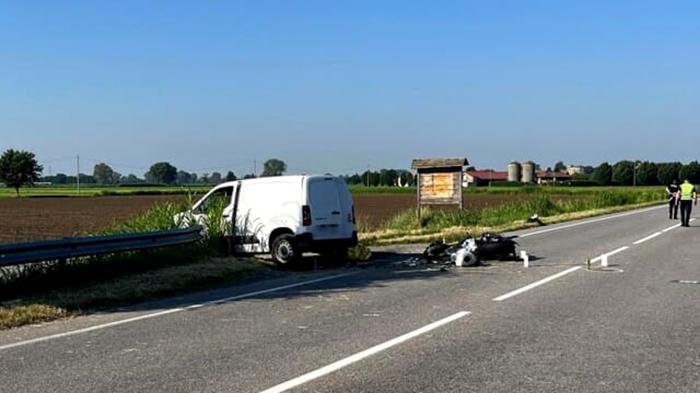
pixel 27 219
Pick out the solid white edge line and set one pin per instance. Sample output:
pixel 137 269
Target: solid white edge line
pixel 653 235
pixel 361 355
pixel 171 311
pixel 591 221
pixel 535 284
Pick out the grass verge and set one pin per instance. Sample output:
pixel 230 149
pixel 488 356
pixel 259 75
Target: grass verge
pixel 457 232
pixel 130 289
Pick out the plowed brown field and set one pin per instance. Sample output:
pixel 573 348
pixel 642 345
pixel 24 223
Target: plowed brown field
pixel 26 219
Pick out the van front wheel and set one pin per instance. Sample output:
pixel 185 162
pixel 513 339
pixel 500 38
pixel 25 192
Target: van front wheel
pixel 284 250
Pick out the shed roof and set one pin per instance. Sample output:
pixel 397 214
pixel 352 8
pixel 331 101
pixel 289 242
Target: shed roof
pixel 427 163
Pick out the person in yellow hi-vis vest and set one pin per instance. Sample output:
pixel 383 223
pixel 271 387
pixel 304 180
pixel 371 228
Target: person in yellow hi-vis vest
pixel 687 194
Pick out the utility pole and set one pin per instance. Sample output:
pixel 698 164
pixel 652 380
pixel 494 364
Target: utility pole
pixel 77 175
pixel 368 167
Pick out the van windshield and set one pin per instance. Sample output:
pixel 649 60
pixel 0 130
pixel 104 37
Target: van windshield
pixel 218 199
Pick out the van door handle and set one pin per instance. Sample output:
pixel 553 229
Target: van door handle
pixel 226 215
pixel 335 213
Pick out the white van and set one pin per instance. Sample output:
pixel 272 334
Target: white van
pixel 285 215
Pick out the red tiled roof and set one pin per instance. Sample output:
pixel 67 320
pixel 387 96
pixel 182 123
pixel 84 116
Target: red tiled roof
pixel 488 175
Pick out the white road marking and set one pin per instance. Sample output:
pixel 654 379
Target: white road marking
pixel 362 355
pixel 171 311
pixel 671 228
pixel 619 250
pixel 535 284
pixel 590 221
pixel 653 235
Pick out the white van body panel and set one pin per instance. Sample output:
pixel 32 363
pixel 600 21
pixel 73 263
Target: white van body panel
pixel 265 206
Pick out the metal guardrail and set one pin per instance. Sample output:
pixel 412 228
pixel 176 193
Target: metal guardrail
pixel 71 247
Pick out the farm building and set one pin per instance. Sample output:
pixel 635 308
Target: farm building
pixel 483 177
pixel 549 177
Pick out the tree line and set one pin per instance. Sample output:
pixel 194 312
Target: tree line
pixel 162 173
pixel 382 177
pixel 21 168
pixel 642 173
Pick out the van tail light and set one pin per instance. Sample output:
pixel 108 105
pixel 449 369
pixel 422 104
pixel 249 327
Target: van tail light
pixel 306 215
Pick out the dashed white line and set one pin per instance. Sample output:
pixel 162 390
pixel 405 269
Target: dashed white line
pixel 535 284
pixel 171 311
pixel 671 228
pixel 362 355
pixel 653 235
pixel 619 250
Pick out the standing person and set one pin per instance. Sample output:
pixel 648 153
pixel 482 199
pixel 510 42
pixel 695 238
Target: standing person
pixel 672 191
pixel 687 194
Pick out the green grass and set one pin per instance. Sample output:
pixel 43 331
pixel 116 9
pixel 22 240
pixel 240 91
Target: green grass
pixel 542 203
pixel 53 290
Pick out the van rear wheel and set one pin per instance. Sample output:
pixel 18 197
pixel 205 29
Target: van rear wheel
pixel 284 250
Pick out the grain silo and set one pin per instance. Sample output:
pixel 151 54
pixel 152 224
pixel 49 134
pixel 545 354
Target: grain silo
pixel 528 172
pixel 514 171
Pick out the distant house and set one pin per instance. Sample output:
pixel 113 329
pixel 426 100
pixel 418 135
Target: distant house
pixel 483 177
pixel 575 170
pixel 549 177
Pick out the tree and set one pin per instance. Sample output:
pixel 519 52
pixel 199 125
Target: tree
pixel 249 176
pixel 559 167
pixel 623 172
pixel 161 172
pixel 104 174
pixel 230 176
pixel 130 179
pixel 646 174
pixel 19 168
pixel 668 172
pixel 602 174
pixel 274 167
pixel 215 178
pixel 60 178
pixel 184 177
pixel 691 172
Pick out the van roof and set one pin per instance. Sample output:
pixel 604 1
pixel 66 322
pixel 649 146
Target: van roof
pixel 290 178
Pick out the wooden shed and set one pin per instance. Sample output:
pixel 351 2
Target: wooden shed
pixel 439 181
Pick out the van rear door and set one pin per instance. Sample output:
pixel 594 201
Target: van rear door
pixel 326 214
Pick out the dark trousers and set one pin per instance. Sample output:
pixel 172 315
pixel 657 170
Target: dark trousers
pixel 673 209
pixel 686 208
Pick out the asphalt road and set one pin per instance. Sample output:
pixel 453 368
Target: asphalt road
pixel 553 327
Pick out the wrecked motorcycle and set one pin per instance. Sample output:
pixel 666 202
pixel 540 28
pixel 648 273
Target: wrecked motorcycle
pixel 471 251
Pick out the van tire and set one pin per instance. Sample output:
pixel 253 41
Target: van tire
pixel 284 250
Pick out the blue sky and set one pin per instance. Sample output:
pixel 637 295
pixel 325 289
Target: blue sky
pixel 340 86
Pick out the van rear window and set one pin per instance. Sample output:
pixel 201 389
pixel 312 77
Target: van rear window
pixel 323 195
